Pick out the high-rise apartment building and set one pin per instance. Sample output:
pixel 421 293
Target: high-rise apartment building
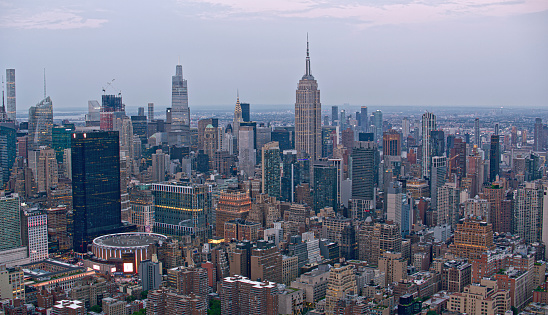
pixel 428 125
pixel 8 151
pixel 527 212
pixel 271 169
pixel 448 201
pixel 150 116
pixel 477 135
pixel 437 177
pixel 10 86
pixel 36 234
pixel 95 186
pixel 149 272
pixel 364 119
pixel 500 208
pixel 240 295
pixel 494 158
pixel 394 267
pixel 182 209
pixel 41 124
pixel 539 140
pixel 180 112
pixel 377 125
pixel 308 114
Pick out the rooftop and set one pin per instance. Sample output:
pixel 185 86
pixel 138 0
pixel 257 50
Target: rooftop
pixel 129 239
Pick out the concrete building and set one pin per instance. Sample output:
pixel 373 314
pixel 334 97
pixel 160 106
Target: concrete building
pixel 485 298
pixel 239 295
pixel 393 266
pixel 149 272
pixel 69 307
pixel 313 284
pixel 341 282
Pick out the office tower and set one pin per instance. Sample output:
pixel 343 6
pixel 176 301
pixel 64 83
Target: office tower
pixel 494 158
pixel 202 125
pixel 477 135
pixel 159 166
pixel 10 222
pixel 246 151
pixel 47 175
pixel 140 127
pixel 35 235
pixel 341 282
pixel 245 112
pixel 391 143
pixel 437 177
pixel 211 141
pixel 263 136
pixel 472 238
pixel 457 158
pixel 347 138
pixel 10 85
pixel 240 295
pixel 448 200
pixel 428 125
pixel 150 112
pixel 41 123
pixel 477 208
pixel 271 169
pixel 7 153
pixel 405 127
pixel 325 187
pixel 527 212
pixel 394 202
pixel 342 119
pixel 283 137
pixel 149 273
pixel 334 115
pixel 95 186
pixel 140 111
pixel 538 144
pixel 238 118
pixel 141 204
pixel 110 104
pixel 308 112
pixel 183 209
pixel 364 161
pixel 180 112
pixel 61 137
pixel 341 230
pixel 233 204
pixel 266 262
pixel 437 139
pixel 293 174
pixel 377 124
pixel 93 117
pixel 364 123
pixel 329 140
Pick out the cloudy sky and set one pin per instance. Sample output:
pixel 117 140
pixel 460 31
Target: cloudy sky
pixel 369 52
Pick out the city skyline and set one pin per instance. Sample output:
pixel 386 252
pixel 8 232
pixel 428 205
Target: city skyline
pixel 486 55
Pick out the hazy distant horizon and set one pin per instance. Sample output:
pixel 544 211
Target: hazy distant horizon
pixel 488 53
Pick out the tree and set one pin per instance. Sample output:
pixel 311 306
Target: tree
pixel 131 298
pixel 144 294
pixel 142 311
pixel 96 309
pixel 214 307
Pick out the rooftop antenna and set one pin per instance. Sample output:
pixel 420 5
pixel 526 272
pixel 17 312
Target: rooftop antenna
pixel 3 104
pixel 44 83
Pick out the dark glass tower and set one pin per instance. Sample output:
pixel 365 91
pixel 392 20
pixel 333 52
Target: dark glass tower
pixel 95 186
pixel 245 112
pixel 8 141
pixel 437 138
pixel 494 158
pixel 325 187
pixel 61 138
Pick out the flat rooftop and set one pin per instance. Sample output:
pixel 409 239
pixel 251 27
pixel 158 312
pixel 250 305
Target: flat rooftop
pixel 129 239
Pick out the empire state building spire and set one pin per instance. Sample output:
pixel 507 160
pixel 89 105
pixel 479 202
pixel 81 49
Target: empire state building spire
pixel 308 72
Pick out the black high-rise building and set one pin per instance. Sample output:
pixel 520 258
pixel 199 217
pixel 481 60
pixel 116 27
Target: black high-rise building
pixel 494 158
pixel 325 186
pixel 245 112
pixel 334 115
pixel 364 156
pixel 364 123
pixel 140 127
pixel 437 139
pixel 95 186
pixel 283 137
pixel 295 172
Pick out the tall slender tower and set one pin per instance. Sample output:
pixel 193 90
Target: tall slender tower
pixel 180 112
pixel 10 80
pixel 237 117
pixel 308 124
pixel 428 124
pixel 477 134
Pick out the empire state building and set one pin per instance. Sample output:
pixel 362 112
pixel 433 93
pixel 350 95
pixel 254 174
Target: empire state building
pixel 308 110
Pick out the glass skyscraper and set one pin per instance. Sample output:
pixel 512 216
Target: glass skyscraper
pixel 95 186
pixel 8 142
pixel 41 124
pixel 61 138
pixel 180 112
pixel 325 187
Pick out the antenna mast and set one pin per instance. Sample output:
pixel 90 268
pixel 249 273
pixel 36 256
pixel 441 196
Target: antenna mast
pixel 45 83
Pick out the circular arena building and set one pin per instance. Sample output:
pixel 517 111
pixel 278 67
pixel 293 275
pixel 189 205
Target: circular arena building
pixel 128 248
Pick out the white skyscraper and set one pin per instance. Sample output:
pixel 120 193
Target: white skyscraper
pixel 37 227
pixel 246 151
pixel 180 112
pixel 10 86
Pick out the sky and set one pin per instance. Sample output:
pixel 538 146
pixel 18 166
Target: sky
pixel 484 53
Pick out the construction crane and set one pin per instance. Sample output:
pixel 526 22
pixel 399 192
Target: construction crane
pixel 109 84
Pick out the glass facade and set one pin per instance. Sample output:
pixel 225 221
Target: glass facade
pixel 325 187
pixel 41 124
pixel 95 186
pixel 61 138
pixel 8 141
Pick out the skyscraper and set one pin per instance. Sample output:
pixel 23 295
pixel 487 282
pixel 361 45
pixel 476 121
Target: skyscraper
pixel 95 186
pixel 233 204
pixel 61 137
pixel 364 123
pixel 246 150
pixel 10 80
pixel 364 156
pixel 8 151
pixel 377 123
pixel 437 177
pixel 334 115
pixel 428 124
pixel 41 124
pixel 10 222
pixel 271 169
pixel 110 104
pixel 238 117
pixel 150 112
pixel 180 112
pixel 325 187
pixel 308 124
pixel 245 112
pixel 538 144
pixel 477 135
pixel 527 212
pixel 494 158
pixel 391 143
